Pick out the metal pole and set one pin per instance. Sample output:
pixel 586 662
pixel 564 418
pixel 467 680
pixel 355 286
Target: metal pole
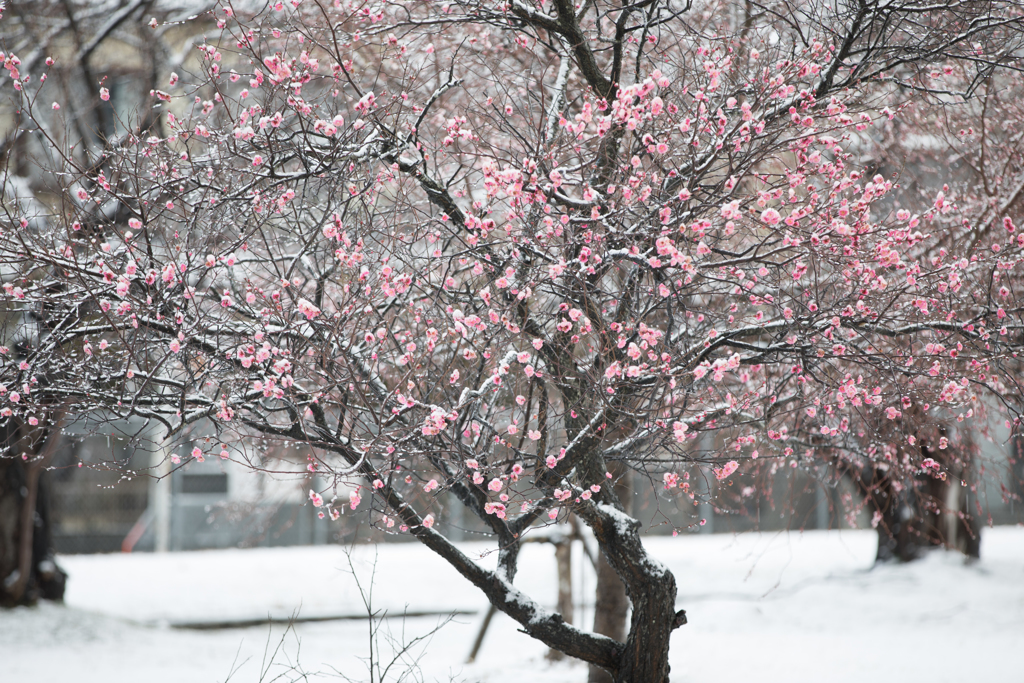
pixel 160 496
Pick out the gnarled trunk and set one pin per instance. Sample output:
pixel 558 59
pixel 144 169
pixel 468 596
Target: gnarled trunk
pixel 651 589
pixel 645 657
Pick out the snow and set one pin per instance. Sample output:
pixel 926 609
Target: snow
pixel 769 607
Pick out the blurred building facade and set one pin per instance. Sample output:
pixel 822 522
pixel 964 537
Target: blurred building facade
pixel 115 492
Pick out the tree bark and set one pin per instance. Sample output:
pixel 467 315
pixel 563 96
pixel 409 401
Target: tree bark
pixel 895 540
pixel 912 518
pixel 563 560
pixel 651 589
pixel 611 605
pixel 28 570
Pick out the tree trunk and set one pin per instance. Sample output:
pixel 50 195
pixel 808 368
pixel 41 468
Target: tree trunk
pixel 652 592
pixel 27 566
pixel 894 515
pixel 28 570
pixel 610 610
pixel 913 517
pixel 611 605
pixel 563 560
pixel 645 657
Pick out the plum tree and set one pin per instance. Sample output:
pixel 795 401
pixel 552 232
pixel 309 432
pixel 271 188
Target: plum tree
pixel 503 250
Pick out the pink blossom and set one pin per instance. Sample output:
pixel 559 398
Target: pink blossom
pixel 428 521
pixel 496 509
pixel 726 470
pixel 308 309
pixel 771 216
pixel 679 431
pixel 731 210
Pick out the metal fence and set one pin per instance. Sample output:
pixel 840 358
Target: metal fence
pixel 103 506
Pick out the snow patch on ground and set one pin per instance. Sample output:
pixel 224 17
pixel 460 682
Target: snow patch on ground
pixel 766 607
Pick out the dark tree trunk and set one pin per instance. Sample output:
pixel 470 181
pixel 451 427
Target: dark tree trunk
pixel 913 518
pixel 897 538
pixel 33 550
pixel 50 578
pixel 651 589
pixel 645 657
pixel 28 570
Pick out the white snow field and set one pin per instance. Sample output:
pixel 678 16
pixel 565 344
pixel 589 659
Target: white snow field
pixel 771 608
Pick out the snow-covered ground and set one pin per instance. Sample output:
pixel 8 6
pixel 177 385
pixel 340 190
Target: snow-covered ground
pixel 765 607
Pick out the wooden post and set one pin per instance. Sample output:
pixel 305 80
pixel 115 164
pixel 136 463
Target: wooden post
pixel 563 558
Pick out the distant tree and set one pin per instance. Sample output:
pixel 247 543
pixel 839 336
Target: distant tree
pixel 27 561
pixel 32 35
pixel 959 145
pixel 505 250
